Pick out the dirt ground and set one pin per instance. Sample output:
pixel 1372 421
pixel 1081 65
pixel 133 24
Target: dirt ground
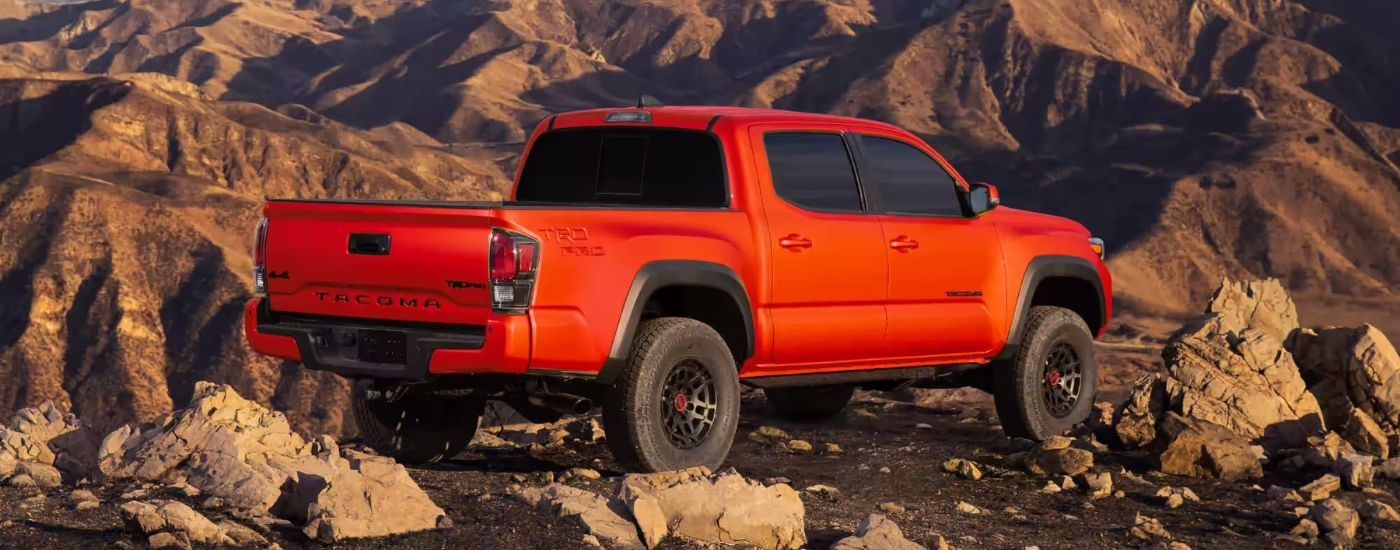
pixel 892 451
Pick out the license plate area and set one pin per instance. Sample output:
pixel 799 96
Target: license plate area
pixel 389 347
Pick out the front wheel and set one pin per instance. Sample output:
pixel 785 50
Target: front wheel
pixel 675 404
pixel 1049 386
pixel 414 428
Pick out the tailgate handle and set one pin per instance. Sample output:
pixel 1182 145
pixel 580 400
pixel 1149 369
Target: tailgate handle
pixel 369 243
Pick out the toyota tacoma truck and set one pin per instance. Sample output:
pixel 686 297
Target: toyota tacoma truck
pixel 651 260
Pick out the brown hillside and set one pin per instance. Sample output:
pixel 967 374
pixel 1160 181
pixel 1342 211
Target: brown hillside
pixel 126 238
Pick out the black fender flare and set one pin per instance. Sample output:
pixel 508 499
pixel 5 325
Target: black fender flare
pixel 1039 269
pixel 660 274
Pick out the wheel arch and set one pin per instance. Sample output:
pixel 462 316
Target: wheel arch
pixel 706 291
pixel 1070 282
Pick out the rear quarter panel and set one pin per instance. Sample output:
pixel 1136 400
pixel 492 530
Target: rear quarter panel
pixel 590 257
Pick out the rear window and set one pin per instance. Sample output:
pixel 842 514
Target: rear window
pixel 641 166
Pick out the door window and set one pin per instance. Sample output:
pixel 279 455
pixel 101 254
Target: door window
pixel 909 181
pixel 813 171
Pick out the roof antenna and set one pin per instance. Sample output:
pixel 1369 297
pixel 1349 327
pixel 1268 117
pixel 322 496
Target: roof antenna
pixel 648 101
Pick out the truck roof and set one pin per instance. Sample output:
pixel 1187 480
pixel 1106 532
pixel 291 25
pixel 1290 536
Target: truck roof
pixel 700 117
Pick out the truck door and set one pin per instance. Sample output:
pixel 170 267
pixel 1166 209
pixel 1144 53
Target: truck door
pixel 946 273
pixel 828 272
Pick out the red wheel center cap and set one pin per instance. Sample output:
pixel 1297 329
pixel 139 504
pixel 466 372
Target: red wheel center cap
pixel 681 402
pixel 1054 378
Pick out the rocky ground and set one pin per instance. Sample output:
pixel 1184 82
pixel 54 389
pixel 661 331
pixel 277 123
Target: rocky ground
pixel 902 469
pixel 873 435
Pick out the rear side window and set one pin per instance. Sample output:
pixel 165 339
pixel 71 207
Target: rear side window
pixel 641 166
pixel 812 170
pixel 909 181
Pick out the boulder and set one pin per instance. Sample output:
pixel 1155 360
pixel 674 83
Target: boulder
pixel 1244 381
pixel 44 476
pixel 1230 367
pixel 876 533
pixel 1197 448
pixel 1055 457
pixel 174 518
pixel 1321 488
pixel 47 435
pixel 1365 435
pixel 1379 511
pixel 1136 422
pixel 1261 304
pixel 594 513
pixel 720 508
pixel 362 496
pixel 231 449
pixel 1350 368
pixel 1356 471
pixel 1323 451
pixel 224 445
pixel 1336 520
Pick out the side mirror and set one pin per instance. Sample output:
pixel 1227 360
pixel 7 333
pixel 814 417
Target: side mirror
pixel 982 197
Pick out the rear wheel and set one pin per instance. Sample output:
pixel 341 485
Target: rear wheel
pixel 414 428
pixel 809 404
pixel 1049 386
pixel 676 403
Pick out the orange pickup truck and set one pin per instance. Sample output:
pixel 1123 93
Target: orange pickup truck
pixel 653 259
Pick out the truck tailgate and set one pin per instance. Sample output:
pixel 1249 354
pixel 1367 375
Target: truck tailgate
pixel 383 261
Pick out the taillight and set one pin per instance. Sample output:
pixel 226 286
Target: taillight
pixel 503 264
pixel 260 257
pixel 514 262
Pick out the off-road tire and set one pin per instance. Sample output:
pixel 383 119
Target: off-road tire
pixel 809 404
pixel 633 414
pixel 1019 383
pixel 415 429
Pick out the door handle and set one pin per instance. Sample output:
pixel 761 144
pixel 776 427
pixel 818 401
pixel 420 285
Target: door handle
pixel 904 244
pixel 795 242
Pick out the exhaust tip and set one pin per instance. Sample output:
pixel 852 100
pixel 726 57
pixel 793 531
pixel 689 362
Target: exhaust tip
pixel 561 402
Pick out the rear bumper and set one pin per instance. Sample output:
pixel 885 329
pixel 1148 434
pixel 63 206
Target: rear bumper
pixel 502 346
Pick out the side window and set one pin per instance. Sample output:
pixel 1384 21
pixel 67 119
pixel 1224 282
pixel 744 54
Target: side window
pixel 813 170
pixel 909 181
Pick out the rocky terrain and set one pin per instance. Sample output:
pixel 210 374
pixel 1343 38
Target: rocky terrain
pixel 1235 444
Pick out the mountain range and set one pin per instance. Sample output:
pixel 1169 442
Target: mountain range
pixel 1199 138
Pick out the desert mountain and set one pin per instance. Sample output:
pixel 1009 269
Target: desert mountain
pixel 126 207
pixel 1202 139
